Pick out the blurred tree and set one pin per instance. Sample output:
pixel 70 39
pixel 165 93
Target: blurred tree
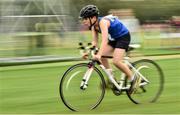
pixel 144 9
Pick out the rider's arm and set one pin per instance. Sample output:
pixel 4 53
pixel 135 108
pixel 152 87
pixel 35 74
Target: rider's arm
pixel 95 37
pixel 104 25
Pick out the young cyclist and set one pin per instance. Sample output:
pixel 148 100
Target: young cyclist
pixel 115 38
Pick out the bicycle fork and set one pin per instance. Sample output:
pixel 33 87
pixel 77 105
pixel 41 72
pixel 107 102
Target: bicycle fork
pixel 84 82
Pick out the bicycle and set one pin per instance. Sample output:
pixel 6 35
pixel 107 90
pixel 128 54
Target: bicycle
pixel 84 81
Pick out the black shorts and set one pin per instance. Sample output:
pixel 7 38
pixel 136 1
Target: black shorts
pixel 122 42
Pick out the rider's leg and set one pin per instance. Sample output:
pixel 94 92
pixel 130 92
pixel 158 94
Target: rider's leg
pixel 118 56
pixel 107 51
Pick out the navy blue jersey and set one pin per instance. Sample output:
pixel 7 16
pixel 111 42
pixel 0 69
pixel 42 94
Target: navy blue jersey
pixel 116 29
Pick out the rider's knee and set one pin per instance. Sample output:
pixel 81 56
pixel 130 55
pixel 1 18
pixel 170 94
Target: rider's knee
pixel 117 62
pixel 104 59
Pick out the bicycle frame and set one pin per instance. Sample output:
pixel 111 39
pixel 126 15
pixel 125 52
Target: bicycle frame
pixel 110 76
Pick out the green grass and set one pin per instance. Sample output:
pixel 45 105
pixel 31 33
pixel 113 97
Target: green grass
pixel 148 52
pixel 33 89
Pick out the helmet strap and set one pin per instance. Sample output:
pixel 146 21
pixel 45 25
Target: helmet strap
pixel 91 24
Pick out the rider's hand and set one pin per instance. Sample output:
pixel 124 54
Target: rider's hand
pixel 97 57
pixel 85 55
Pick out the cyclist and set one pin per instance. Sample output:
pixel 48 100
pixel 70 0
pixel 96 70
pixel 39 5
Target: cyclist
pixel 115 39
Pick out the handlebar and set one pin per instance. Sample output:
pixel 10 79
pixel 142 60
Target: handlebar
pixel 89 50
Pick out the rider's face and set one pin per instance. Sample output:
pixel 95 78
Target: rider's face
pixel 86 21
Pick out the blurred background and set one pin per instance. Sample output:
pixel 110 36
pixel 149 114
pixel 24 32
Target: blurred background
pixel 43 27
pixel 34 31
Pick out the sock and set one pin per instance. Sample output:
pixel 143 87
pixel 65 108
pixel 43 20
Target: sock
pixel 110 71
pixel 131 79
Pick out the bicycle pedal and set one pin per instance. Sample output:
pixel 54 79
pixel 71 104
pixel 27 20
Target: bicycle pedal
pixel 117 92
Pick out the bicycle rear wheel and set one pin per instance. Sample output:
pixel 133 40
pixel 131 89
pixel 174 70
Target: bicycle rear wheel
pixel 150 92
pixel 77 99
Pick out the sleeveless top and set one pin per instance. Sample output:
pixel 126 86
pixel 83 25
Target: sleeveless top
pixel 116 29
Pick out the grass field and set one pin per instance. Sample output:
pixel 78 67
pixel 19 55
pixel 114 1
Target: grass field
pixel 33 89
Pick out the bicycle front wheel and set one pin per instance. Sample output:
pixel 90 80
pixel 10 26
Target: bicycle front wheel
pixel 151 91
pixel 76 98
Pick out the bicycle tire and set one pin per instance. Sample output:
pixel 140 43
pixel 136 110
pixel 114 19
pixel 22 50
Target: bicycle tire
pixel 62 85
pixel 159 84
